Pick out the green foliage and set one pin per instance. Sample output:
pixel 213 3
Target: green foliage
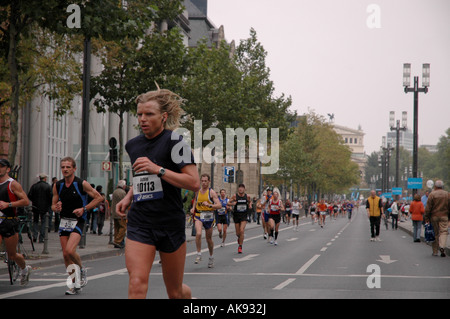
pixel 315 155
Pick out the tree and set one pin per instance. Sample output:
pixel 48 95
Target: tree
pixel 443 158
pixel 316 157
pixel 263 108
pixel 134 66
pixel 100 18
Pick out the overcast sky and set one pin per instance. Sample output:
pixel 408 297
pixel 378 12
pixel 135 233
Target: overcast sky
pixel 324 54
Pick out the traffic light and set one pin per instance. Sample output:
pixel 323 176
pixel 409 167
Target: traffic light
pixel 113 150
pixel 113 155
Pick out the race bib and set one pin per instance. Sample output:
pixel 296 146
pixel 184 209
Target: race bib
pixel 147 187
pixel 207 216
pixel 221 211
pixel 241 208
pixel 67 224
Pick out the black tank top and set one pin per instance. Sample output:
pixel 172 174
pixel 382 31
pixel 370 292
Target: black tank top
pixel 241 204
pixel 71 197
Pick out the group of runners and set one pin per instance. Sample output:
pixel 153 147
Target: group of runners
pixel 208 208
pixel 319 210
pixel 163 164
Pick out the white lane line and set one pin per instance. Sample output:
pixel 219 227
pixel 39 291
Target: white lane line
pixel 59 284
pixel 284 284
pixel 306 266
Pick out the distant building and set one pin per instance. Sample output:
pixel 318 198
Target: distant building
pixel 431 148
pixel 406 139
pixel 354 139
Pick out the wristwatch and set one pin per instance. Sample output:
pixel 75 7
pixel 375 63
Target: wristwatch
pixel 162 171
pixel 10 205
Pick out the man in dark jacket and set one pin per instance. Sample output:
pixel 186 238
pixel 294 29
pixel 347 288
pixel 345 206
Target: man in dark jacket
pixel 40 195
pixel 437 212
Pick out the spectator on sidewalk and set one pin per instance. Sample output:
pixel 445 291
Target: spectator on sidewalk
pixel 40 194
pixel 120 224
pixel 437 212
pixel 417 210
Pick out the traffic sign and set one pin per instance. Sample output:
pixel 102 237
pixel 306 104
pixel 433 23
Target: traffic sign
pixel 106 166
pixel 415 183
pixel 228 174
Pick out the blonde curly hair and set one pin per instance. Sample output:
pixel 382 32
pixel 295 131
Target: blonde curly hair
pixel 168 102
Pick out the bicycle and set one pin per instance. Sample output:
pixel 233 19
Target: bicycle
pixel 13 268
pixel 25 224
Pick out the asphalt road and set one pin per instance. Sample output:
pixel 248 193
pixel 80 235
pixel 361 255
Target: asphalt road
pixel 337 261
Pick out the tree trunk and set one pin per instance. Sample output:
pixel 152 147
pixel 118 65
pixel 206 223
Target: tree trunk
pixel 15 85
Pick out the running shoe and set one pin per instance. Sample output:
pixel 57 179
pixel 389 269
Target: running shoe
pixel 239 249
pixel 211 262
pixel 83 279
pixel 198 259
pixel 25 276
pixel 73 291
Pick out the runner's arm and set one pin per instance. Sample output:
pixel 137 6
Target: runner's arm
pixel 21 195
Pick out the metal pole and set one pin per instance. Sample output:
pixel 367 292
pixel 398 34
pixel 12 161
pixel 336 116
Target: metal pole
pixel 110 212
pixel 397 154
pixel 85 109
pixel 416 129
pixel 45 250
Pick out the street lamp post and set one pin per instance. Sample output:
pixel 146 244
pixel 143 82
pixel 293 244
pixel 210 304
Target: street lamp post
pixel 416 90
pixel 397 128
pixel 386 158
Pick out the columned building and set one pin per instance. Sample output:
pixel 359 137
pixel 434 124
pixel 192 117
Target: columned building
pixel 354 139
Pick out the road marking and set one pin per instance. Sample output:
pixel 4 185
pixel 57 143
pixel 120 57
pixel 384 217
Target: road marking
pixel 246 258
pixel 386 259
pixel 303 275
pixel 284 284
pixel 62 283
pixel 306 266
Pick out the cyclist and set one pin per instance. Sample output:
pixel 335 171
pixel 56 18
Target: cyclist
pixel 12 196
pixel 70 200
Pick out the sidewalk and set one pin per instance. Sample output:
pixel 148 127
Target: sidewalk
pixel 98 246
pixel 408 228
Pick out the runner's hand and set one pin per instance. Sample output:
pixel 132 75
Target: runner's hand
pixel 145 164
